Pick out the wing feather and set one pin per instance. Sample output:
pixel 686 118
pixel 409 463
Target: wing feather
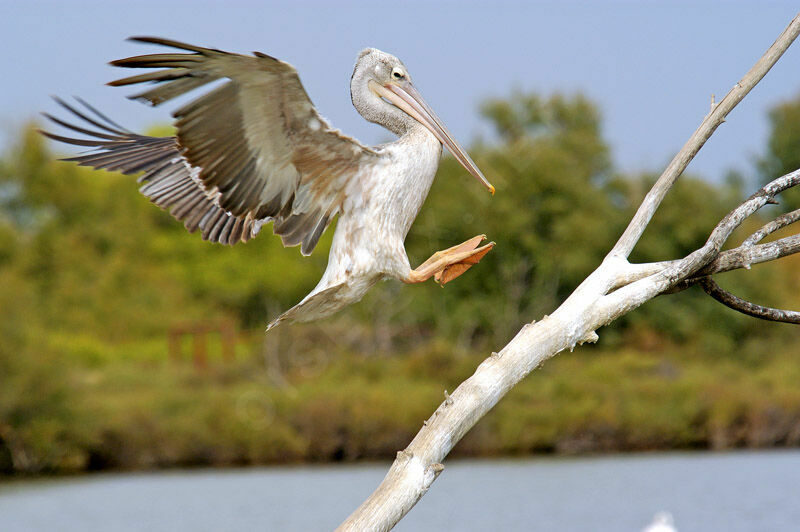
pixel 169 181
pixel 260 147
pixel 251 150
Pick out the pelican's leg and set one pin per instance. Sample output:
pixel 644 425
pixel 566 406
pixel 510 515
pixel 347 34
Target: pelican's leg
pixel 446 265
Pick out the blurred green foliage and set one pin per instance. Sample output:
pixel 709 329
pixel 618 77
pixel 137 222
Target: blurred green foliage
pixel 92 279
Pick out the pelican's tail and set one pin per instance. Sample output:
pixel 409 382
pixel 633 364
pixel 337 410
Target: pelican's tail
pixel 315 306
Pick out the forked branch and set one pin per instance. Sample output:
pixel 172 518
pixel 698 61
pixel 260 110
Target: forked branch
pixel 749 252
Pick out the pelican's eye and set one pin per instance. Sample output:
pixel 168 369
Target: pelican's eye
pixel 398 74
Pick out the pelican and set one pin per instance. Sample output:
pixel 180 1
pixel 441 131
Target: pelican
pixel 254 150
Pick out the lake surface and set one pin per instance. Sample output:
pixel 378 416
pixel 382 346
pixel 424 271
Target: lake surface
pixel 744 491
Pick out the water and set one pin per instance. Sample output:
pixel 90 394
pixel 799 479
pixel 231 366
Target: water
pixel 749 491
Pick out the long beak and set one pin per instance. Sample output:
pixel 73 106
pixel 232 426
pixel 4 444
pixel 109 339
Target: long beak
pixel 407 98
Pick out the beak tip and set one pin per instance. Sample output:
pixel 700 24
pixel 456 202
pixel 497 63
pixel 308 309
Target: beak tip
pixel 491 190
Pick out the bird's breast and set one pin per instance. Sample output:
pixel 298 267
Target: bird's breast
pixel 402 183
pixel 375 220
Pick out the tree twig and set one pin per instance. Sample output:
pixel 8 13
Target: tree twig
pixel 737 258
pixel 743 256
pixel 746 307
pixel 778 223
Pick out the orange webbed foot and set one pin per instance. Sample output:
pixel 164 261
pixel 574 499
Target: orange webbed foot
pixel 454 270
pixel 446 265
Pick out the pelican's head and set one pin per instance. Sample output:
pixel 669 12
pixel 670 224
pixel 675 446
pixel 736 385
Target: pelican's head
pixel 382 93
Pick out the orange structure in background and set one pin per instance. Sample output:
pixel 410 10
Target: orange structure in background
pixel 199 331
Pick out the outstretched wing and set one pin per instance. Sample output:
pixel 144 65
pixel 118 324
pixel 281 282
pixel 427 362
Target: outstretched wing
pixel 254 147
pixel 169 181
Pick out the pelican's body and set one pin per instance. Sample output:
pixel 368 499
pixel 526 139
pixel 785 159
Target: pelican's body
pixel 254 150
pixel 369 243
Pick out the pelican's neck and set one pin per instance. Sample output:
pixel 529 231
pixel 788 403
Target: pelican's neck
pixel 377 110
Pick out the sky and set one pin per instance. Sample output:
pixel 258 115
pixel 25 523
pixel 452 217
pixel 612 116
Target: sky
pixel 650 66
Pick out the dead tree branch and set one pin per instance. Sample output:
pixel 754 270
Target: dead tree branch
pixel 615 288
pixel 745 307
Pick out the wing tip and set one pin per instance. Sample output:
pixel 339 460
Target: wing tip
pixel 262 55
pixel 45 133
pixel 141 38
pixel 148 39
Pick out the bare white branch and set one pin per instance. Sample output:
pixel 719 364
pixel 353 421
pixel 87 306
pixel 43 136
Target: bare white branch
pixel 613 289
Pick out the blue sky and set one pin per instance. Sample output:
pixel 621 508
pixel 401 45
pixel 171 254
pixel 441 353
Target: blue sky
pixel 651 66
